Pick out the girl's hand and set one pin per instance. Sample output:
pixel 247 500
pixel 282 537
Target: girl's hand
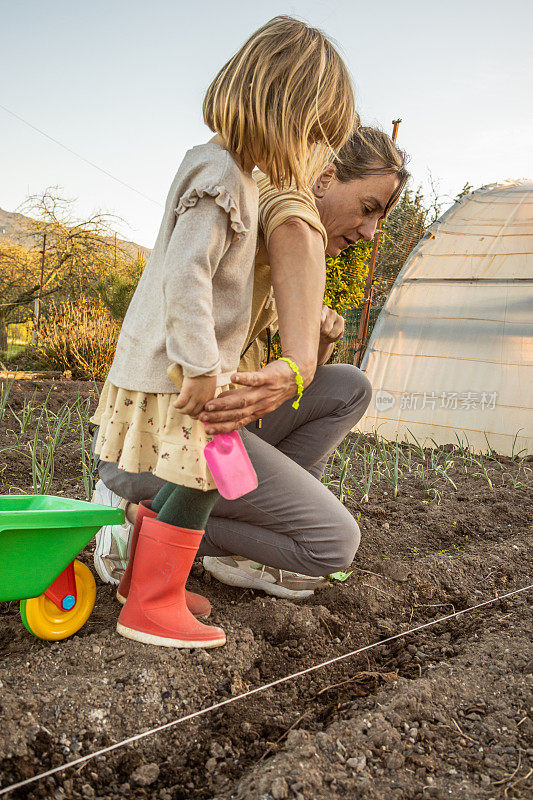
pixel 194 394
pixel 262 392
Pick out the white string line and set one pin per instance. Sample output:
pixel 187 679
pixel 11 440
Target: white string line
pixel 74 153
pixel 258 689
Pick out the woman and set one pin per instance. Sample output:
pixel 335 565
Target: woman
pixel 291 522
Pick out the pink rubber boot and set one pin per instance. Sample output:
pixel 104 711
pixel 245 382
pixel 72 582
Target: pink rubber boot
pixel 198 605
pixel 156 609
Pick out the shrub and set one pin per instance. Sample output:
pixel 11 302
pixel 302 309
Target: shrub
pixel 346 276
pixel 79 337
pixel 115 289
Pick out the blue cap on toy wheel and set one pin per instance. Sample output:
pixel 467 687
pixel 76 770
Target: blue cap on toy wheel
pixel 68 602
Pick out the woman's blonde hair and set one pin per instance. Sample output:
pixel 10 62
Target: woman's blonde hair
pixel 285 99
pixel 370 151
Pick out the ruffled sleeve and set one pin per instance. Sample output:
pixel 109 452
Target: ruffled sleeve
pixel 221 197
pixel 199 241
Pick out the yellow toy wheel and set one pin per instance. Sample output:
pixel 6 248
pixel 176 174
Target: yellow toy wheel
pixel 46 621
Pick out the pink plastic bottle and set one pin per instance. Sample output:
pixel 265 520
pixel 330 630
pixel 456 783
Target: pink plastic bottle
pixel 230 465
pixel 226 457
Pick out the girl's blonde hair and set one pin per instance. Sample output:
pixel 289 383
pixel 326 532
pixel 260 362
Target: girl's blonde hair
pixel 285 99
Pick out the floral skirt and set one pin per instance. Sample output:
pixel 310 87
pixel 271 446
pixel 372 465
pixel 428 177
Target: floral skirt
pixel 143 432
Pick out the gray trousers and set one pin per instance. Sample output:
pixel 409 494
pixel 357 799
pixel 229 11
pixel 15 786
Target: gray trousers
pixel 291 521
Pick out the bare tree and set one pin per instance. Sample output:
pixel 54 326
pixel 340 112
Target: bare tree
pixel 80 254
pixel 19 284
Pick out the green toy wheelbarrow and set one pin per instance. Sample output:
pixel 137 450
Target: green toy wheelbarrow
pixel 40 536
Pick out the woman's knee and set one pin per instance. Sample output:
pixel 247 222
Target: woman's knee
pixel 356 388
pixel 361 388
pixel 347 542
pixel 337 549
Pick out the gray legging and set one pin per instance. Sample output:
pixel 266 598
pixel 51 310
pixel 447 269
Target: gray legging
pixel 291 521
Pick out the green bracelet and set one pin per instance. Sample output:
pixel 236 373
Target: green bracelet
pixel 299 380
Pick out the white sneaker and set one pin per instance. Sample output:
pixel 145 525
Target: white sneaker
pixel 112 541
pixel 237 571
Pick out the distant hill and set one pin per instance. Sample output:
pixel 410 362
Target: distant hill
pixel 12 228
pixel 10 225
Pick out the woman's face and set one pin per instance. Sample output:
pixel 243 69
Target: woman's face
pixel 351 211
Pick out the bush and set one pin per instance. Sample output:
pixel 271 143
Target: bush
pixel 79 337
pixel 116 289
pixel 346 276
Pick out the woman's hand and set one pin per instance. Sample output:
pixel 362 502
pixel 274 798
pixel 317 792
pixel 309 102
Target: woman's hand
pixel 262 392
pixel 331 330
pixel 194 394
pixel 331 326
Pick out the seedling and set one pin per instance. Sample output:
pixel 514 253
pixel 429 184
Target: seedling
pixel 393 473
pixel 4 396
pixel 340 576
pixel 27 415
pixel 87 460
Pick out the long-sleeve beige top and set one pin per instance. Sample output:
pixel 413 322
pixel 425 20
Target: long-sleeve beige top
pixel 192 305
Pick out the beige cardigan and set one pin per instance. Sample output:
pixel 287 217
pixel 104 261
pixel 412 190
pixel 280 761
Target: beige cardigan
pixel 192 305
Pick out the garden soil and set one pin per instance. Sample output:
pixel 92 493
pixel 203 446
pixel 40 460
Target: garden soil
pixel 442 713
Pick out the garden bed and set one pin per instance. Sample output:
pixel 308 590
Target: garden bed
pixel 443 713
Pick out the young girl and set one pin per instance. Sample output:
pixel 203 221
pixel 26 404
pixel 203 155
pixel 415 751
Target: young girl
pixel 283 102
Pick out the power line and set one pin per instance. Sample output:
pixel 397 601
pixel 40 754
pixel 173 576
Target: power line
pixel 82 158
pixel 136 737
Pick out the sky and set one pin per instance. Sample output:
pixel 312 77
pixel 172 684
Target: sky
pixel 121 82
